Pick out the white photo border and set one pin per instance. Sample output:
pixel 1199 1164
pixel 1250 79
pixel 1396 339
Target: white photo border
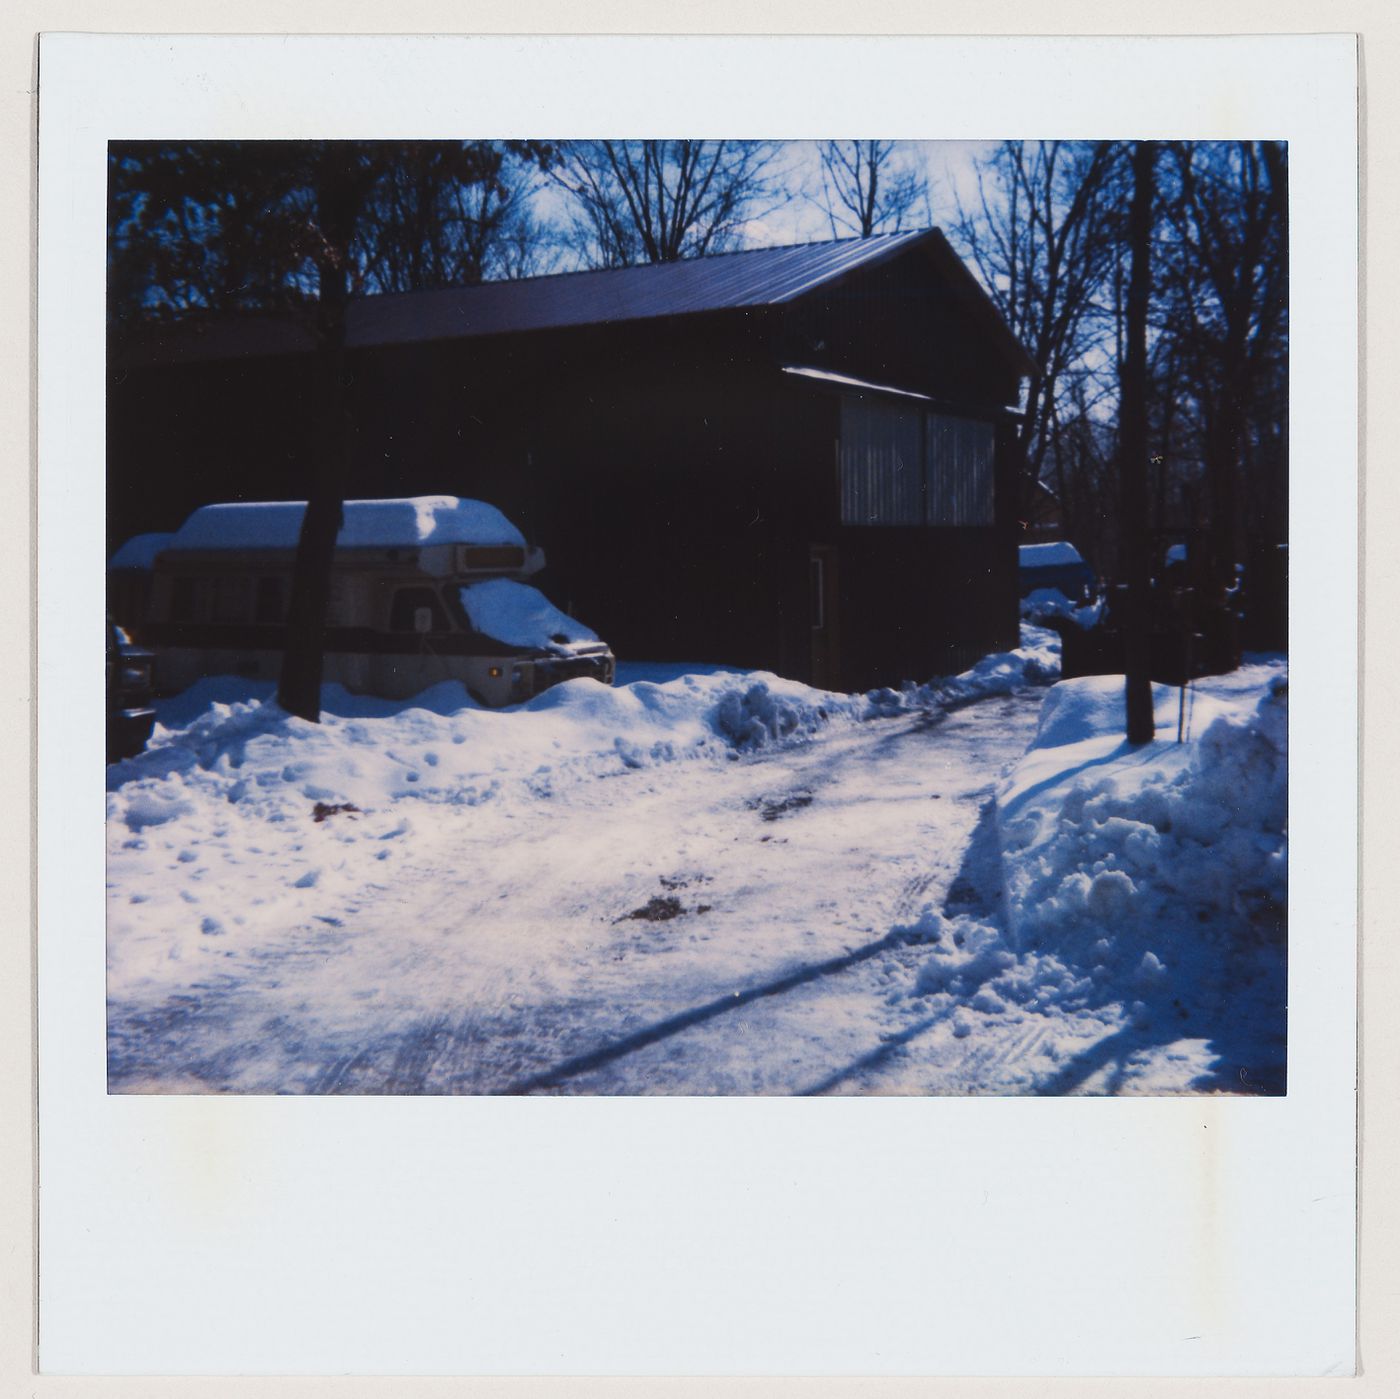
pixel 628 1236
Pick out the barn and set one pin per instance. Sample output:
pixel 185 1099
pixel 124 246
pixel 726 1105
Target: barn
pixel 796 459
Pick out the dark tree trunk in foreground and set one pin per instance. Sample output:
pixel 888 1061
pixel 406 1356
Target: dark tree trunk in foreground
pixel 1132 452
pixel 303 662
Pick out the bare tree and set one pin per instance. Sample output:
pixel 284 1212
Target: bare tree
pixel 660 201
pixel 872 187
pixel 1223 296
pixel 449 214
pixel 1044 237
pixel 1136 564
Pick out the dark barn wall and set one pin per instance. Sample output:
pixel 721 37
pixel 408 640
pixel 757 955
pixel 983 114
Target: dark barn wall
pixel 190 434
pixel 918 603
pixel 899 323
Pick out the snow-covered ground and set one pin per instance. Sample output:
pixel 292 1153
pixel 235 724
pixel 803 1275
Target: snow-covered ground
pixel 699 881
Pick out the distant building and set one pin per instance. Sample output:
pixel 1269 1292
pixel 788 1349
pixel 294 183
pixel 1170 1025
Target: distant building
pixel 791 458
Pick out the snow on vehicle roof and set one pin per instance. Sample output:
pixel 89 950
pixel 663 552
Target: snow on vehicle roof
pixel 520 615
pixel 1049 555
pixel 383 524
pixel 140 551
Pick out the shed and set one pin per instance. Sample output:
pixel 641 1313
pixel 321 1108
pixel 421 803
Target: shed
pixel 790 458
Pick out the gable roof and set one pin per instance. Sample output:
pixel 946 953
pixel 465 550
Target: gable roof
pixel 719 282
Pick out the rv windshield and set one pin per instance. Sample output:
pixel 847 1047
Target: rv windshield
pixel 520 615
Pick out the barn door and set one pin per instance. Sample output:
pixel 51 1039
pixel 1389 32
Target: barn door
pixel 824 613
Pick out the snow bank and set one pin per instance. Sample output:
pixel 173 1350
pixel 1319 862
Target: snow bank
pixel 1132 846
pixel 1144 894
pixel 1036 661
pixel 227 741
pixel 520 615
pixel 414 521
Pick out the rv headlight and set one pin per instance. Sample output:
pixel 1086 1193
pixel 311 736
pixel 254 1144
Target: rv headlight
pixel 495 672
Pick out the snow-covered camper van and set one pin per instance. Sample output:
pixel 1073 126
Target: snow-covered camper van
pixel 422 590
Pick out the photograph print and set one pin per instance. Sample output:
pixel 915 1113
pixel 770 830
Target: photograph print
pixel 697 617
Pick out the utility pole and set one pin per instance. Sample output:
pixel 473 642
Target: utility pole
pixel 1134 545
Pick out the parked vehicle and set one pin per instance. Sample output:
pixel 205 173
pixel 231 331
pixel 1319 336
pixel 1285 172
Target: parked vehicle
pixel 1058 565
pixel 130 716
pixel 422 590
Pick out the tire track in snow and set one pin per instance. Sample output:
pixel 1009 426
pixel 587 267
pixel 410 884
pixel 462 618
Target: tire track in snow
pixel 619 1066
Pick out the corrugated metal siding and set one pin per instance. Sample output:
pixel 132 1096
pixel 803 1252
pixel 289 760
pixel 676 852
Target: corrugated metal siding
pixel 959 458
pixel 902 465
pixel 881 463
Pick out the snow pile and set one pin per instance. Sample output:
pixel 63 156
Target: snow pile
pixel 1036 661
pixel 227 741
pixel 1044 603
pixel 411 522
pixel 1116 853
pixel 520 615
pixel 763 714
pixel 1144 896
pixel 1153 880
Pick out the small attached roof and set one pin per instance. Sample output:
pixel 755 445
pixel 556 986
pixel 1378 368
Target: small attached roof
pixel 1053 555
pixel 829 376
pixel 139 552
pixel 414 521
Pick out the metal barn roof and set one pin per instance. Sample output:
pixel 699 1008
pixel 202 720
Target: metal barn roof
pixel 720 282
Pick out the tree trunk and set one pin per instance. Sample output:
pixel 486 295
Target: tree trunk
pixel 1132 454
pixel 303 661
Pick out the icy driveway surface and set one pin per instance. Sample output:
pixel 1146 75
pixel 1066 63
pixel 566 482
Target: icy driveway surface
pixel 698 927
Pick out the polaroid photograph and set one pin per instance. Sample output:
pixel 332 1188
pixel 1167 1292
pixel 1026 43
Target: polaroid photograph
pixel 703 627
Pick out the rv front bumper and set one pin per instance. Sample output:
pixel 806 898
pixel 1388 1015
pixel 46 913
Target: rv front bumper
pixel 544 674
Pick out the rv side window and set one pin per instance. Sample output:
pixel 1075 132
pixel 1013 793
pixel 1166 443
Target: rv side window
pixel 270 607
pixel 230 599
pixel 407 603
pixel 185 598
